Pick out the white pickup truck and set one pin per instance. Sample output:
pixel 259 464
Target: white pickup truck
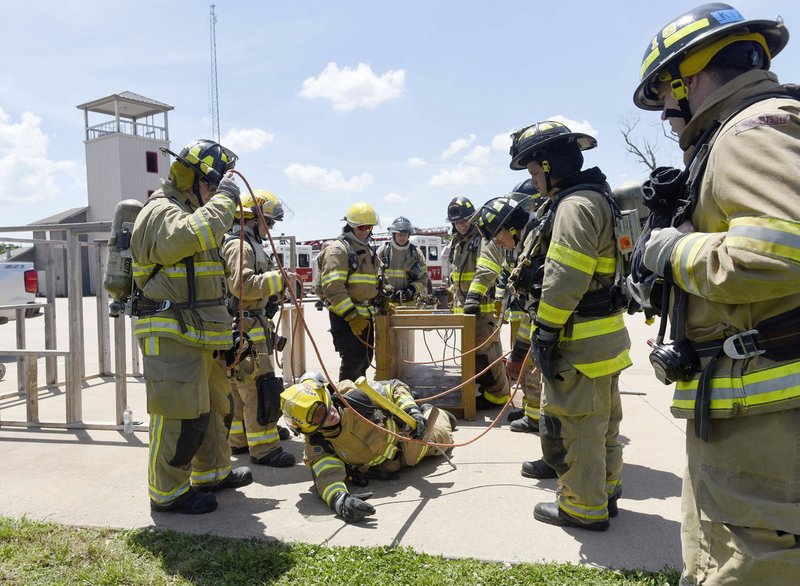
pixel 18 284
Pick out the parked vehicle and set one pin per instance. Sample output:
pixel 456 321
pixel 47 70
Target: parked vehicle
pixel 306 269
pixel 18 285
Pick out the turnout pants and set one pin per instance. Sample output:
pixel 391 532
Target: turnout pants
pixel 188 399
pixel 493 383
pixel 741 491
pixel 246 431
pixel 355 351
pixel 579 431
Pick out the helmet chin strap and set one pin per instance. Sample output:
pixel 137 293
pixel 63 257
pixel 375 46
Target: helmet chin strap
pixel 681 94
pixel 196 189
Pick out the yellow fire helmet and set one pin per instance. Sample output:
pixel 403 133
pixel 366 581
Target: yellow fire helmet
pixel 270 205
pixel 361 214
pixel 305 406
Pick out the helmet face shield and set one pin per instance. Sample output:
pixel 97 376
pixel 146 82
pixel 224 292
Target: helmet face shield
pixel 305 406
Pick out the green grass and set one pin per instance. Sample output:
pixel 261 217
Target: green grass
pixel 48 554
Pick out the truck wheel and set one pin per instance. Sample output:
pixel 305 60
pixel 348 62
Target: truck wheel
pixel 32 312
pixel 2 371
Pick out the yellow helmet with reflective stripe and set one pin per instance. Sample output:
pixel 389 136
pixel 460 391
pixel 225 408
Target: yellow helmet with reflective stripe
pixel 271 206
pixel 687 44
pixel 305 405
pixel 361 214
pixel 204 158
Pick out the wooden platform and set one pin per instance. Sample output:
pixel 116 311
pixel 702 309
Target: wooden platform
pixel 395 350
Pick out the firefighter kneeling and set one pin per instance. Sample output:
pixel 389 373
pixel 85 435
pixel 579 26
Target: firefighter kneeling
pixel 340 444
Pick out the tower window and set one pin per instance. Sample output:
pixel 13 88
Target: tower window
pixel 152 161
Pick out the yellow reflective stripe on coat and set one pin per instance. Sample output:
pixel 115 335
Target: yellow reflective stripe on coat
pixel 332 490
pixel 596 327
pixel 769 236
pixel 363 311
pixel 343 307
pixel 331 276
pixel 391 448
pixel 363 279
pixel 257 334
pixel 684 255
pixel 754 389
pixel 605 367
pixel 178 271
pixel 572 258
pixel 606 265
pixel 552 314
pixel 489 264
pixel 479 288
pixel 394 273
pixel 465 277
pixel 327 463
pixel 167 325
pixel 201 229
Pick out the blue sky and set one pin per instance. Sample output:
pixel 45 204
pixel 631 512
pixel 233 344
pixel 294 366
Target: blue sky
pixel 403 105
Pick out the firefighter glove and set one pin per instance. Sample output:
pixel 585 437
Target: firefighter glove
pixel 406 294
pixel 421 422
pixel 472 304
pixel 498 308
pixel 358 324
pixel 544 352
pixel 516 359
pixel 228 187
pixel 352 507
pixel 658 248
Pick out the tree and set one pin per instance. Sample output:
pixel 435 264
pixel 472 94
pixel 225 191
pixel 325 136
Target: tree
pixel 642 149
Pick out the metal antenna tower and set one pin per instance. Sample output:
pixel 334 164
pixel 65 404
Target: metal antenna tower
pixel 214 86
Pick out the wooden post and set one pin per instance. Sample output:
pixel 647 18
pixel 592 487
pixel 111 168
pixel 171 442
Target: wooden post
pixel 22 371
pixel 50 362
pixel 32 399
pixel 75 359
pixel 120 368
pixel 103 327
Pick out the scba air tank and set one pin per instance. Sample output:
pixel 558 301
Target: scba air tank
pixel 119 276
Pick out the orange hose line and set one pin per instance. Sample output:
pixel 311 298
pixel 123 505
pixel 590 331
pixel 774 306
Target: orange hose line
pixel 298 304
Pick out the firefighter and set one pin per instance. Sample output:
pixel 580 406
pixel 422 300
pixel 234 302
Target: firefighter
pixel 568 266
pixel 183 326
pixel 340 445
pixel 729 256
pixel 525 420
pixel 475 268
pixel 405 273
pixel 255 285
pixel 348 278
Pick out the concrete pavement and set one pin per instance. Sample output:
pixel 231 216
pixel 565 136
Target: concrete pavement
pixel 482 509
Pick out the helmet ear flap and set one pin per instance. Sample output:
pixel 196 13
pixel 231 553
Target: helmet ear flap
pixel 182 176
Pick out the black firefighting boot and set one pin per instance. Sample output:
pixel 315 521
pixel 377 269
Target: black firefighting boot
pixel 613 509
pixel 277 458
pixel 189 503
pixel 538 469
pixel 551 514
pixel 524 425
pixel 238 477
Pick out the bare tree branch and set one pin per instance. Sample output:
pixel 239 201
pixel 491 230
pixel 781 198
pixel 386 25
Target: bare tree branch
pixel 644 150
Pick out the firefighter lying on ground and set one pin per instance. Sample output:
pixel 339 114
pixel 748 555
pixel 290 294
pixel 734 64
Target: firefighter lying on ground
pixel 341 445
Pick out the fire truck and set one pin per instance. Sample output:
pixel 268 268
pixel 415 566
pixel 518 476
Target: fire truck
pixel 304 256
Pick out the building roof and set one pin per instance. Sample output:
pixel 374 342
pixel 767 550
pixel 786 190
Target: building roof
pixel 131 105
pixel 64 217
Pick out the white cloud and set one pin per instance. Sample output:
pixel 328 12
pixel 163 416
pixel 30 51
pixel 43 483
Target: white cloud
pixel 311 176
pixel 457 145
pixel 502 142
pixel 246 140
pixel 461 176
pixel 576 126
pixel 395 198
pixel 26 173
pixel 349 89
pixel 416 162
pixel 479 155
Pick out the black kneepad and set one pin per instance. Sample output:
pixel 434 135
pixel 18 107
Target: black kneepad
pixel 189 440
pixel 269 389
